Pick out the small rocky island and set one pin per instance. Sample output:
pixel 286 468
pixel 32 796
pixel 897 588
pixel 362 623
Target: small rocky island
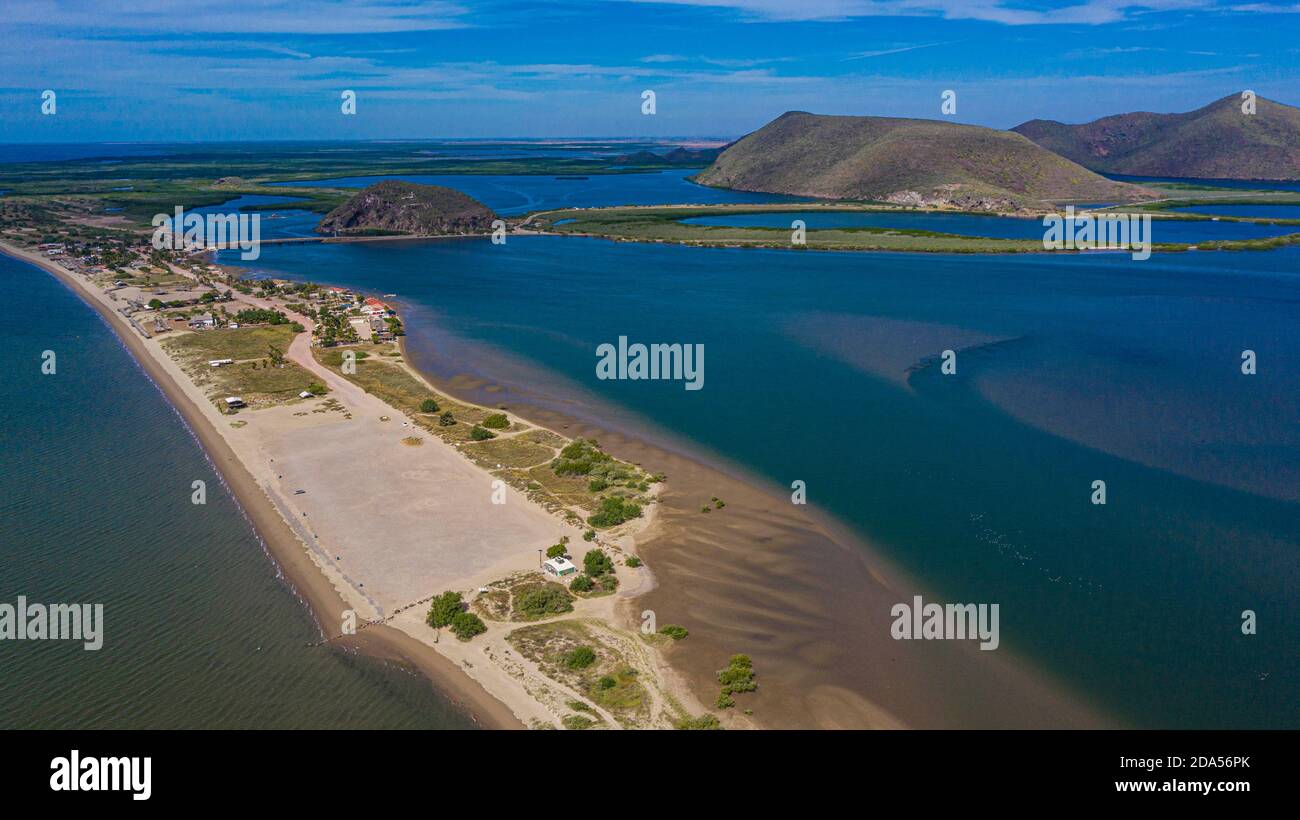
pixel 394 208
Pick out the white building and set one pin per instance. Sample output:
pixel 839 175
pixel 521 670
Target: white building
pixel 559 567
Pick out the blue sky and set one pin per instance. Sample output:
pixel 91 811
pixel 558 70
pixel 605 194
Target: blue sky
pixel 158 70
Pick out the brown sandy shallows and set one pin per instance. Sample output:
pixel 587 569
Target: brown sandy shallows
pixel 803 597
pixel 361 521
pixel 760 577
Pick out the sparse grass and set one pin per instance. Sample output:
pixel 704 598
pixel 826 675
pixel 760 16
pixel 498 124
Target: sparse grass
pixel 508 452
pixel 609 681
pixel 252 375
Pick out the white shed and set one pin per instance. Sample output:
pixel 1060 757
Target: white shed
pixel 559 567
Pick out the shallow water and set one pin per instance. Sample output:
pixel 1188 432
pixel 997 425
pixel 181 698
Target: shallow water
pixel 95 495
pixel 1072 369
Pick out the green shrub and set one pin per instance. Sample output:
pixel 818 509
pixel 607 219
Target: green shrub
pixel 580 657
pixel 579 457
pixel 674 631
pixel 479 434
pixel 597 484
pixel 428 406
pixel 613 511
pixel 548 599
pixel 443 608
pixel 632 561
pixel 737 677
pixel 577 722
pixel 597 563
pixel 446 419
pixel 496 421
pixel 589 535
pixel 317 389
pixel 581 583
pixel 606 682
pixel 555 551
pixel 701 722
pixel 466 625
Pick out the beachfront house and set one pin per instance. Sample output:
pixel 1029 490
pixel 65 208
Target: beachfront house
pixel 559 567
pixel 204 322
pixel 380 330
pixel 374 307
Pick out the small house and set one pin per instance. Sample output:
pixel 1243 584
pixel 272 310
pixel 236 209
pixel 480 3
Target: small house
pixel 204 322
pixel 220 362
pixel 559 567
pixel 234 402
pixel 306 394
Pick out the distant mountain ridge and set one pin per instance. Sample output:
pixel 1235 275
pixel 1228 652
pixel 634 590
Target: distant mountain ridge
pixel 677 156
pixel 1217 141
pixel 906 161
pixel 396 207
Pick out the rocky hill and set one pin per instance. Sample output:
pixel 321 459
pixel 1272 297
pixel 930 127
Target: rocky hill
pixel 906 161
pixel 393 207
pixel 1217 141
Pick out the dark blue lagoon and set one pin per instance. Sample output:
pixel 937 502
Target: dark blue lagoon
pixel 1252 211
pixel 1247 184
pixel 513 194
pixel 275 223
pixel 1072 369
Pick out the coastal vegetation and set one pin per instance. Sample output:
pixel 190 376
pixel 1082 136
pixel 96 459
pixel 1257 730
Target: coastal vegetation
pixel 443 608
pixel 607 677
pixel 736 678
pixel 448 611
pixel 257 373
pixel 531 602
pixel 667 225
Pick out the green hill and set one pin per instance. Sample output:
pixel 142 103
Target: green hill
pixel 1218 141
pixel 908 162
pixel 393 207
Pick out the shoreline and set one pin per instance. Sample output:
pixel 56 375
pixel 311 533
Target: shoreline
pixel 739 578
pixel 286 550
pixel 784 585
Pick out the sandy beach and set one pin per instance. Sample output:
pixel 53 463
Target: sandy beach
pixel 327 597
pixel 808 602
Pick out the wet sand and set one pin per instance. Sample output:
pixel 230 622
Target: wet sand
pixel 297 569
pixel 806 599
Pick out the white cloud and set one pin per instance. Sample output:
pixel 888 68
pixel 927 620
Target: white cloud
pixel 240 16
pixel 1089 12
